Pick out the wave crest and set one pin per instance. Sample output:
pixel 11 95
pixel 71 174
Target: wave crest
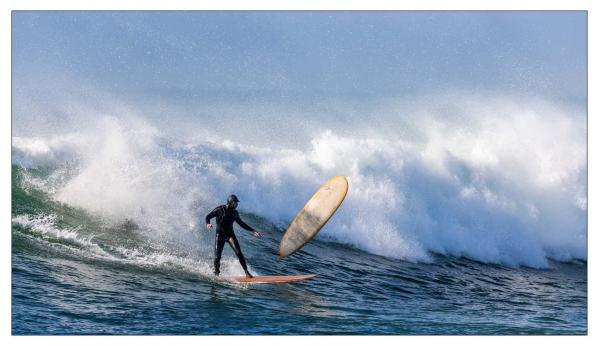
pixel 497 181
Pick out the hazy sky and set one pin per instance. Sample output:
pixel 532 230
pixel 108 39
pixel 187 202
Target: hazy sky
pixel 294 58
pixel 312 52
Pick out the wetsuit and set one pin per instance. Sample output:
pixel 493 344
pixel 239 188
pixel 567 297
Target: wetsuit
pixel 224 233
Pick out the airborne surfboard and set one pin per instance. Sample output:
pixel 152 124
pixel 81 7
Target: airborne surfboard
pixel 269 279
pixel 314 215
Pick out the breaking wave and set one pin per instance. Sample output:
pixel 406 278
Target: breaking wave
pixel 495 180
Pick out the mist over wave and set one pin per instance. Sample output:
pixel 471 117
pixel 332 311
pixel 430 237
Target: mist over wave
pixel 494 179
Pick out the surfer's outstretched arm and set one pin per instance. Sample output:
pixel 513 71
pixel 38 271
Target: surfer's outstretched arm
pixel 243 224
pixel 246 226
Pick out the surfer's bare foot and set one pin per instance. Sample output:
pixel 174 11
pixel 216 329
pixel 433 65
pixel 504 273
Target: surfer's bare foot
pixel 216 273
pixel 248 275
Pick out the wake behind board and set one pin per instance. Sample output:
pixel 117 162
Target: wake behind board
pixel 314 215
pixel 269 279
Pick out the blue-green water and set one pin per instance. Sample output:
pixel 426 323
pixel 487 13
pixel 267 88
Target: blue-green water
pixel 73 272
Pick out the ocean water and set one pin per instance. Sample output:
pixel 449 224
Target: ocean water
pixel 474 234
pixel 463 136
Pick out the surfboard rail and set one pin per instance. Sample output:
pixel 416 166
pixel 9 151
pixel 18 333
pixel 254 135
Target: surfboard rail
pixel 270 279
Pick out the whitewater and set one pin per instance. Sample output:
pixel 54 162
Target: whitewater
pixel 507 187
pixel 478 202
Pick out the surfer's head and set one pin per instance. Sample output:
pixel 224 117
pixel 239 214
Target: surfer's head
pixel 232 201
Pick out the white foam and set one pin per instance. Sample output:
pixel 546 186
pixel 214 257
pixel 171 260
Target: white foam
pixel 496 179
pixel 45 226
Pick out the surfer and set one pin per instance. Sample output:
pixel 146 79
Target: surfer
pixel 225 216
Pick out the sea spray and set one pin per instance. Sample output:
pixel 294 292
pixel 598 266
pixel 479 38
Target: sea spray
pixel 494 179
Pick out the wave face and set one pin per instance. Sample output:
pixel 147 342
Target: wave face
pixel 497 180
